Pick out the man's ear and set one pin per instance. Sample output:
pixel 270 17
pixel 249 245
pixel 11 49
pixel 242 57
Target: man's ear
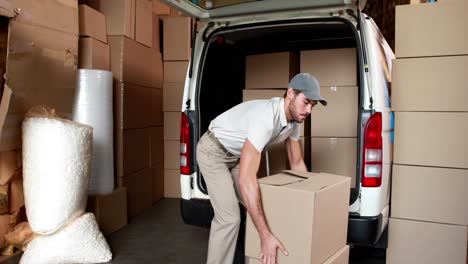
pixel 290 93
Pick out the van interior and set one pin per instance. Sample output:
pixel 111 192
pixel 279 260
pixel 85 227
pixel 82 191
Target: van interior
pixel 223 81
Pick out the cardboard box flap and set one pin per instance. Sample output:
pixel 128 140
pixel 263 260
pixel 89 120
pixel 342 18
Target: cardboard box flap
pixel 301 174
pixel 321 181
pixel 280 179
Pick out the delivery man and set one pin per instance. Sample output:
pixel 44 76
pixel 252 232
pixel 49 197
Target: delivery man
pixel 228 156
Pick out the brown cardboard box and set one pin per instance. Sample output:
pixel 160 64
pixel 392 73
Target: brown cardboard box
pixel 176 40
pixel 130 61
pixel 172 154
pixel 331 67
pixel 340 117
pixel 157 24
pixel 139 191
pixel 136 150
pixel 173 93
pixel 270 71
pixel 4 199
pixel 9 164
pixel 248 95
pixel 56 15
pixel 172 183
pixel 16 195
pixel 157 69
pixel 143 22
pixel 158 181
pixel 429 243
pixel 256 94
pixel 442 90
pixel 335 155
pixel 156 107
pixel 134 106
pixel 120 16
pixel 277 159
pixel 319 215
pixel 160 8
pixel 174 12
pixel 93 54
pixel 340 257
pixel 110 210
pixel 436 29
pixel 92 23
pixel 417 194
pixel 51 69
pixel 172 125
pixel 431 139
pixel 156 146
pixel 175 71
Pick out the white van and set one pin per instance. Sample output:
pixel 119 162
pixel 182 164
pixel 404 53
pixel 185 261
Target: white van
pixel 216 79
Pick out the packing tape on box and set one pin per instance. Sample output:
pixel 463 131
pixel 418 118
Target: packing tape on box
pixel 56 167
pixel 93 106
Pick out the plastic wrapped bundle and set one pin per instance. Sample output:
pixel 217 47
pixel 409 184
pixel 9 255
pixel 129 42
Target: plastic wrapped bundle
pixel 93 106
pixel 79 242
pixel 56 166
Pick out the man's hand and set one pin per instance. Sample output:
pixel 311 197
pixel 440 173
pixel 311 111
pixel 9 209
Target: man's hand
pixel 269 244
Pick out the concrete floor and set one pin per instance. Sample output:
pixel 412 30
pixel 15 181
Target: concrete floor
pixel 158 235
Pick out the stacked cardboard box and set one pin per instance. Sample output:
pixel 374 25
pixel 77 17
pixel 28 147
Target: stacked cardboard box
pixel 136 64
pixel 316 227
pixel 429 220
pixel 267 76
pixel 38 61
pixel 94 53
pixel 334 127
pixel 176 54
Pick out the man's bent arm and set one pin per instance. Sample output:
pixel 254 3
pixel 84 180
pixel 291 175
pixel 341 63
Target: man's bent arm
pixel 296 160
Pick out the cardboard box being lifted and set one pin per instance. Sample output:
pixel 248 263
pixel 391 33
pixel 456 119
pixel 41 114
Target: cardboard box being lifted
pixel 316 206
pixel 340 257
pixel 120 16
pixel 270 71
pixel 143 22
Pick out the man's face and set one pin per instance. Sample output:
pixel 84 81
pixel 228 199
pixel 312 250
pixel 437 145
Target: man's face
pixel 300 107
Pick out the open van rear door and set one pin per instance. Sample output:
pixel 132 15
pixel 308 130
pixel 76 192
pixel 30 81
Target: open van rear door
pixel 206 10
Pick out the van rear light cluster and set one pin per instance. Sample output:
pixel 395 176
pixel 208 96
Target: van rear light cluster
pixel 372 167
pixel 184 145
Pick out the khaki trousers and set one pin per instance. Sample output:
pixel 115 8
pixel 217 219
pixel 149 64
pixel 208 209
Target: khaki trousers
pixel 220 170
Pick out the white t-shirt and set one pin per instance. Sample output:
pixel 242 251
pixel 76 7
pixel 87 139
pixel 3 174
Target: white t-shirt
pixel 262 122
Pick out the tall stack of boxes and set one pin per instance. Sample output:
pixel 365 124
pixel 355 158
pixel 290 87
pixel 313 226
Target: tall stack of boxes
pixel 429 216
pixel 334 144
pixel 136 65
pixel 267 76
pixel 176 55
pixel 94 53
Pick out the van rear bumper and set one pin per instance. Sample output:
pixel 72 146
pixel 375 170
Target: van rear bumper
pixel 364 230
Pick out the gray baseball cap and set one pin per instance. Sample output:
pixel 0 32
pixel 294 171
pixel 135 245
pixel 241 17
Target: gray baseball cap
pixel 309 86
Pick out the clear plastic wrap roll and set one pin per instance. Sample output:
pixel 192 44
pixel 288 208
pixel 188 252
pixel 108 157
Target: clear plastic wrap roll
pixel 93 106
pixel 56 167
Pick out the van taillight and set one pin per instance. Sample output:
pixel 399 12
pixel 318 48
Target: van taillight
pixel 184 145
pixel 372 167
